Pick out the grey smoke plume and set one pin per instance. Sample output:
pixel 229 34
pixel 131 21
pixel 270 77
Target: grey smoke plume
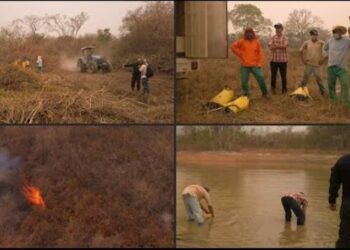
pixel 8 165
pixel 13 207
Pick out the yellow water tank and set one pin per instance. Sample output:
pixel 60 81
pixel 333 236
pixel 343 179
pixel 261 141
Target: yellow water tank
pixel 224 97
pixel 301 91
pixel 238 105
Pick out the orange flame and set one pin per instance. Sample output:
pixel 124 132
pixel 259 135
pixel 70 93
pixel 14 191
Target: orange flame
pixel 33 194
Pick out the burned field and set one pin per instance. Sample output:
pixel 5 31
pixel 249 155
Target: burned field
pixel 86 187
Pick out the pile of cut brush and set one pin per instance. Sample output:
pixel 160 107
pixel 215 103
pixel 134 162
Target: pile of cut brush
pixel 14 77
pixel 79 107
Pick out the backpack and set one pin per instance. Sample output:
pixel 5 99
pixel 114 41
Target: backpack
pixel 149 72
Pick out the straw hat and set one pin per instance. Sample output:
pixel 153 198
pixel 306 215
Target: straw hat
pixel 342 29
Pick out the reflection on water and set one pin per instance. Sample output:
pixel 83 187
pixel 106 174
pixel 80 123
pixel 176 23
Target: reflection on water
pixel 248 210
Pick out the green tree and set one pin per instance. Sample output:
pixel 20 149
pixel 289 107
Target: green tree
pixel 104 36
pixel 300 22
pixel 248 15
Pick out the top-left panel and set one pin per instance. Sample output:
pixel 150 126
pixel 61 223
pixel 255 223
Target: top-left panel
pixel 92 62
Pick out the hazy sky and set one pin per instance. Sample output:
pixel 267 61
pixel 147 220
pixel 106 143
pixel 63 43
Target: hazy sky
pixel 331 12
pixel 103 14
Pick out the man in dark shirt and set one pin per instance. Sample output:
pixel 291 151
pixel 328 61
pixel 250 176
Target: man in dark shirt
pixel 136 74
pixel 340 175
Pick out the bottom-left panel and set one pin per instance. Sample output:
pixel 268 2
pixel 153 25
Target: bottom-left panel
pixel 86 186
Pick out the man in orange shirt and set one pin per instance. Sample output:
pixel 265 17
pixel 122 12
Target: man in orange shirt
pixel 250 53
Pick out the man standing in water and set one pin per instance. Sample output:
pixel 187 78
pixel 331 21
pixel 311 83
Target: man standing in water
pixel 340 175
pixel 192 196
pixel 297 203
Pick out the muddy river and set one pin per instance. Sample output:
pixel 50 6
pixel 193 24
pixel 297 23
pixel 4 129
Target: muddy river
pixel 247 202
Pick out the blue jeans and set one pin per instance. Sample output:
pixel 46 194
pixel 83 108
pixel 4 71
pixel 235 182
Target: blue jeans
pixel 145 85
pixel 193 208
pixel 289 205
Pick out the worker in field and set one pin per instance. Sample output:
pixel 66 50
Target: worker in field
pixel 39 64
pixel 250 53
pixel 145 76
pixel 278 45
pixel 312 56
pixel 337 50
pixel 297 203
pixel 340 176
pixel 135 75
pixel 193 195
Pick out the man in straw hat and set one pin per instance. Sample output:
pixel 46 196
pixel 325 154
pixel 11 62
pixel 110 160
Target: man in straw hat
pixel 312 57
pixel 337 49
pixel 250 53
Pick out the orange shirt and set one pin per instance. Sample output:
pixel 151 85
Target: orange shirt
pixel 249 52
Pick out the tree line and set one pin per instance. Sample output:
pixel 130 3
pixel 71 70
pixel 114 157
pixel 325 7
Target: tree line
pixel 296 28
pixel 145 32
pixel 234 138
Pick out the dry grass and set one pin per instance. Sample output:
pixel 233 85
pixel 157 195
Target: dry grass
pixel 201 86
pixel 103 187
pixel 71 97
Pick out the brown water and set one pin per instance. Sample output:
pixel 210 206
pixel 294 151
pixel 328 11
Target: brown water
pixel 249 211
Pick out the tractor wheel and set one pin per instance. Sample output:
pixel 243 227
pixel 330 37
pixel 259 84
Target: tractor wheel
pixel 109 67
pixel 81 66
pixel 92 67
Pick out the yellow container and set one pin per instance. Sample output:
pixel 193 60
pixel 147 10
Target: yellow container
pixel 301 91
pixel 238 105
pixel 224 97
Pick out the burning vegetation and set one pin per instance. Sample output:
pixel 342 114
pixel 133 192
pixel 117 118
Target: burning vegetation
pixel 33 194
pixel 86 187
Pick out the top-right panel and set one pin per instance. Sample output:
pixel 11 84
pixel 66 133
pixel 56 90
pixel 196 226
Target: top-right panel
pixel 262 62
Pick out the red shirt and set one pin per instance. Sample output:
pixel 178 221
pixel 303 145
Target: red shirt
pixel 300 198
pixel 280 54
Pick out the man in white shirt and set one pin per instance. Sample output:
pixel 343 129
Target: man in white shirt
pixel 144 78
pixel 192 196
pixel 312 57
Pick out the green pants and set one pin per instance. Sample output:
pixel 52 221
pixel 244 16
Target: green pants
pixel 258 75
pixel 335 72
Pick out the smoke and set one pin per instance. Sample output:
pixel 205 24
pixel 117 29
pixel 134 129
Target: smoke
pixel 8 165
pixel 13 207
pixel 68 63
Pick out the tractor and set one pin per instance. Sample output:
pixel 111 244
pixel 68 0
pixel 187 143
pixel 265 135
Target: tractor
pixel 89 62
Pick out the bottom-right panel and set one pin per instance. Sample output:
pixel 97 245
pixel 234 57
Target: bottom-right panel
pixel 263 186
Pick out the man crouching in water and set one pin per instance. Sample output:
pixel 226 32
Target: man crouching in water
pixel 192 196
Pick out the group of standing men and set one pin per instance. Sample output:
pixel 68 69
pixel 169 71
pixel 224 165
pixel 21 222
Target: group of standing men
pixel 314 53
pixel 139 75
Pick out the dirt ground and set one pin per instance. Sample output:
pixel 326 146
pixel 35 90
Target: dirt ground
pixel 269 157
pixel 73 97
pixel 214 74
